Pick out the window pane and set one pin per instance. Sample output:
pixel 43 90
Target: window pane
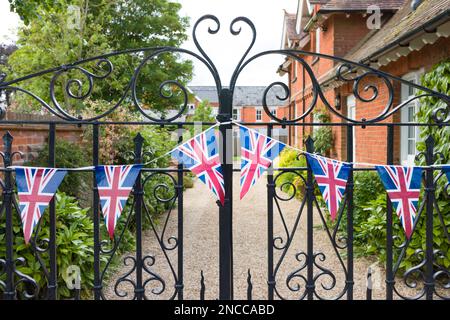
pixel 411 147
pixel 411 133
pixel 410 113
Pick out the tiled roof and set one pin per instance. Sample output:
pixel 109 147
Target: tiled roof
pixel 352 5
pixel 403 22
pixel 291 20
pixel 243 95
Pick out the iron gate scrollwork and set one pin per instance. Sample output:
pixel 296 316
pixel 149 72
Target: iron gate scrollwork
pixel 311 279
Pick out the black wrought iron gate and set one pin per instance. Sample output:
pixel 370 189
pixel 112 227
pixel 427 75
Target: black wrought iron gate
pixel 305 281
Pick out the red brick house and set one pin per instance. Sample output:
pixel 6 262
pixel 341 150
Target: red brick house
pixel 247 105
pixel 410 38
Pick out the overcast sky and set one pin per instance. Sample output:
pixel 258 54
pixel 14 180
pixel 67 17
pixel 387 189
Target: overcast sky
pixel 224 49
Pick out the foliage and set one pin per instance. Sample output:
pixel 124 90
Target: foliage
pixel 323 136
pixel 74 243
pixel 156 143
pixel 370 204
pixel 290 181
pixel 437 79
pixel 203 113
pixel 64 31
pixel 29 9
pixel 68 155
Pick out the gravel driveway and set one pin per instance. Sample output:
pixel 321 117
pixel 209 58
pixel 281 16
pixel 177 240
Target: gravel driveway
pixel 201 249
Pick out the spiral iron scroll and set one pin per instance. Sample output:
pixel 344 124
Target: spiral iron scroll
pixel 324 280
pixel 347 71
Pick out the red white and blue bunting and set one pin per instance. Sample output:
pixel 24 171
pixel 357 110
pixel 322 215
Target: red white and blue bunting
pixel 331 177
pixel 201 156
pixel 257 154
pixel 114 184
pixel 37 186
pixel 402 185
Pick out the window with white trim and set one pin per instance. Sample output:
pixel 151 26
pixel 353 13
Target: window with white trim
pixel 236 114
pixel 409 134
pixel 258 114
pixel 274 113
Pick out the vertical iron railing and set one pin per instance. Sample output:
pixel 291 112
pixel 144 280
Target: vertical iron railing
pixel 10 291
pixel 96 214
pixel 139 290
pixel 310 285
pixel 349 194
pixel 270 196
pixel 52 281
pixel 390 281
pixel 226 211
pixel 429 195
pixel 179 191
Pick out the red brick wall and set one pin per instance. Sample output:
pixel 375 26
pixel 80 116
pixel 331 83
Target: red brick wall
pixel 340 36
pixel 371 142
pixel 29 139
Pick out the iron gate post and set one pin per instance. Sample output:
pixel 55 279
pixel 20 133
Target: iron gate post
pixel 226 211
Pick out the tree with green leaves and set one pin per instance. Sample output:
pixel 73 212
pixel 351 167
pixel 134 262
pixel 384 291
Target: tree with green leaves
pixel 203 113
pixel 64 31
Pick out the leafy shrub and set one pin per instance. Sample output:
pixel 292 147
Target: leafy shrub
pixel 323 136
pixel 370 212
pixel 74 242
pixel 69 155
pixel 157 142
pixel 288 181
pixel 323 140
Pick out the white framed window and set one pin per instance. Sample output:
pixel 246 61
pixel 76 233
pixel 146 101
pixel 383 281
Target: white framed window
pixel 237 114
pixel 351 114
pixel 258 114
pixel 318 40
pixel 409 136
pixel 273 111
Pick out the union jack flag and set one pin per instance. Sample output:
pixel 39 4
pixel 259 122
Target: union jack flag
pixel 114 185
pixel 403 188
pixel 36 188
pixel 257 153
pixel 200 155
pixel 331 177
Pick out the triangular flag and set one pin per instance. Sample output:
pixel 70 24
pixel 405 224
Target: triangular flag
pixel 402 185
pixel 114 185
pixel 257 153
pixel 36 188
pixel 446 170
pixel 200 155
pixel 331 177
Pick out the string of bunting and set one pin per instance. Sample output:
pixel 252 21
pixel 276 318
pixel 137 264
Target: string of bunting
pixel 36 186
